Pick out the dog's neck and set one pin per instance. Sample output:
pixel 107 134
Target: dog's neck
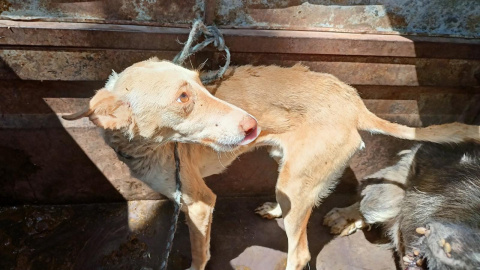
pixel 153 162
pixel 143 156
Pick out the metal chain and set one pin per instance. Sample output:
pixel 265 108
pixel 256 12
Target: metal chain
pixel 176 208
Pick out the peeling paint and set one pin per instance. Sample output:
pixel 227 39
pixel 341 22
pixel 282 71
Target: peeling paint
pixel 4 6
pixel 149 12
pixel 142 14
pixel 423 17
pixel 455 18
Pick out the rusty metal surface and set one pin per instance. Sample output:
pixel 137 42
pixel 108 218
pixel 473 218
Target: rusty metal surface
pixel 149 12
pixel 107 36
pixel 328 43
pixel 421 17
pixel 74 65
pixel 430 18
pixel 44 160
pixel 91 35
pixel 131 236
pixel 378 70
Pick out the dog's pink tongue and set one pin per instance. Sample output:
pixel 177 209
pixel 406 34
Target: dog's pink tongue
pixel 251 136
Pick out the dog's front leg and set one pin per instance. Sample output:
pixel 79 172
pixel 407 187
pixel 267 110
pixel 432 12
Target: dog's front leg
pixel 199 202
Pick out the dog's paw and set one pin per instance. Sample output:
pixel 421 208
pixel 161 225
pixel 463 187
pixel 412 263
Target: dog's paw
pixel 269 210
pixel 344 221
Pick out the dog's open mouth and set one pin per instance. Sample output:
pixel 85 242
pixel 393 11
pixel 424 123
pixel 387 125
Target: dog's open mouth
pixel 249 137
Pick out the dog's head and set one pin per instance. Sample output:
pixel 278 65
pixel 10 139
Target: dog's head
pixel 161 101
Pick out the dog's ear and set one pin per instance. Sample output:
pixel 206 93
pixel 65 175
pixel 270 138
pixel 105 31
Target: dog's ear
pixel 105 110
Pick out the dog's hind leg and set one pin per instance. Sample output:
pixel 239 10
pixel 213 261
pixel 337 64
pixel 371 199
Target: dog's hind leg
pixel 198 204
pixel 308 174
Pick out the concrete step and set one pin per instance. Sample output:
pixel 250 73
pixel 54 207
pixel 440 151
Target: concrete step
pixel 132 236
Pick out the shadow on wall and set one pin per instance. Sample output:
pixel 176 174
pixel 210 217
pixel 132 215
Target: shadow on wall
pixel 61 203
pixel 33 137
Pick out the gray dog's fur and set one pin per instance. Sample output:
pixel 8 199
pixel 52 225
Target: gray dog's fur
pixel 433 186
pixel 442 193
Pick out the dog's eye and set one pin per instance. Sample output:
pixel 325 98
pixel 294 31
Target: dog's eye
pixel 183 98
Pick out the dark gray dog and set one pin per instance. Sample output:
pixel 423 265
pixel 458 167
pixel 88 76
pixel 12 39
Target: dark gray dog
pixel 428 203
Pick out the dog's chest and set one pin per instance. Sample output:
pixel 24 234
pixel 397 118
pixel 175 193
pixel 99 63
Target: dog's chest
pixel 214 163
pixel 210 162
pixel 157 171
pixel 149 162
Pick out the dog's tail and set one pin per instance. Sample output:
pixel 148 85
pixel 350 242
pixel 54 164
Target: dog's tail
pixel 446 133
